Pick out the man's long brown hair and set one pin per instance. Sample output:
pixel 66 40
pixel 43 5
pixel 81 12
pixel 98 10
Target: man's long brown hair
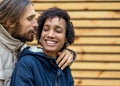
pixel 11 11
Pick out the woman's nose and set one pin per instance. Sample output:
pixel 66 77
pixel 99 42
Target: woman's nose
pixel 51 34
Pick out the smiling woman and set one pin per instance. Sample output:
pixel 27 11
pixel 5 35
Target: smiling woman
pixel 53 35
pixel 55 30
pixel 39 67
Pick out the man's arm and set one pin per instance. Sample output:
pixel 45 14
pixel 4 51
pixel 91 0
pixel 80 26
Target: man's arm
pixel 1 83
pixel 66 58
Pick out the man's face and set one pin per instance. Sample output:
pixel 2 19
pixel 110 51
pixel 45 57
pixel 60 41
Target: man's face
pixel 28 25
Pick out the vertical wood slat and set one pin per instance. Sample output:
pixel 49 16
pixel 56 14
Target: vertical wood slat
pixel 97 27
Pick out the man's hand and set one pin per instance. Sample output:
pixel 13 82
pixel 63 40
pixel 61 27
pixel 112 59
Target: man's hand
pixel 65 58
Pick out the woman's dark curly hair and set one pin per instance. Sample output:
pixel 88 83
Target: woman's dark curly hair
pixel 57 12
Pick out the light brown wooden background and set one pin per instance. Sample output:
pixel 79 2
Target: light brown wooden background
pixel 97 27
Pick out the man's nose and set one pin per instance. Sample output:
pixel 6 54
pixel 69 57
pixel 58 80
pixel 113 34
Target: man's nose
pixel 35 24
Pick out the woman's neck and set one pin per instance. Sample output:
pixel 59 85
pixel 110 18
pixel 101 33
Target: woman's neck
pixel 50 54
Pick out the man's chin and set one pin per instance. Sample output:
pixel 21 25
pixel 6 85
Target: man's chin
pixel 30 40
pixel 26 40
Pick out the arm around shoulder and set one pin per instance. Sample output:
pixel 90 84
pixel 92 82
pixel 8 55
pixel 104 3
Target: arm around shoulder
pixel 73 53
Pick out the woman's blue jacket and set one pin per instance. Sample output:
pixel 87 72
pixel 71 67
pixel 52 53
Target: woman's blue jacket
pixel 36 69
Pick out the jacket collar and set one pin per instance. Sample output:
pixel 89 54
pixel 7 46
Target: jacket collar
pixel 8 41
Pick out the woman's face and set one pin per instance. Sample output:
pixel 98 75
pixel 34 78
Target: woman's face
pixel 53 35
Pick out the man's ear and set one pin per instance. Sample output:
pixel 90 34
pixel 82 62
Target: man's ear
pixel 9 26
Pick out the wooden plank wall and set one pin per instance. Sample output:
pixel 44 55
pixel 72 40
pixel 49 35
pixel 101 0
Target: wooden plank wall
pixel 97 27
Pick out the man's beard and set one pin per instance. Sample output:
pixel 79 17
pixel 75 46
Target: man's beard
pixel 22 37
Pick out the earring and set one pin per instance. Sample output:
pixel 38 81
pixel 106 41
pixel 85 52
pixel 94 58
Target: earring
pixel 66 44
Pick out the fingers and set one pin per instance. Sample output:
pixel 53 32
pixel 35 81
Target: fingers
pixel 65 59
pixel 62 64
pixel 61 55
pixel 67 63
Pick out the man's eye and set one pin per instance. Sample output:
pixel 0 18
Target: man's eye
pixel 29 18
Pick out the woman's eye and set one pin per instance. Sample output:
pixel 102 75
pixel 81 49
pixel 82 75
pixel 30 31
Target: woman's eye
pixel 45 29
pixel 59 30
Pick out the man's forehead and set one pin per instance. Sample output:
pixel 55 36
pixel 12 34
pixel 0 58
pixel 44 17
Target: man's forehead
pixel 30 11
